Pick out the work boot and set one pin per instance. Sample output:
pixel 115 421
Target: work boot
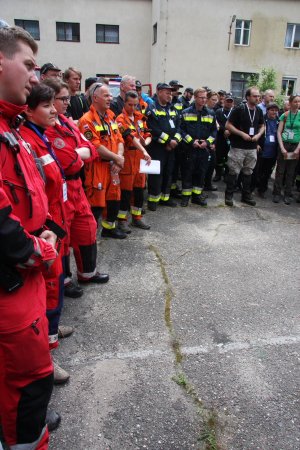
pixel 218 174
pixel 61 376
pixel 248 199
pixel 114 233
pixel 140 223
pixel 64 331
pixel 53 420
pixel 228 198
pixel 169 202
pixel 287 199
pixel 184 201
pixel 72 290
pixel 176 193
pixel 246 191
pixel 123 226
pixel 98 278
pixel 199 200
pixel 152 206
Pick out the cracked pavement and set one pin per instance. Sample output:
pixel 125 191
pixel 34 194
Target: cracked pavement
pixel 231 282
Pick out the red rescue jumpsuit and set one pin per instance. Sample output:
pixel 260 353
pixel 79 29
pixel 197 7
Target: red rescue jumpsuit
pixel 131 180
pixel 100 189
pixel 80 222
pixel 26 371
pixel 55 185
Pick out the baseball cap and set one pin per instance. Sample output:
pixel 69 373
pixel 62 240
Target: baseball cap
pixel 49 66
pixel 175 83
pixel 138 84
pixel 222 92
pixel 190 90
pixel 228 96
pixel 163 86
pixel 272 106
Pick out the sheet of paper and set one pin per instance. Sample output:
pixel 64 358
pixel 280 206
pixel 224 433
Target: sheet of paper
pixel 153 168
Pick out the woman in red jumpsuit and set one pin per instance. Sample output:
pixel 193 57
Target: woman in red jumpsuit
pixel 71 148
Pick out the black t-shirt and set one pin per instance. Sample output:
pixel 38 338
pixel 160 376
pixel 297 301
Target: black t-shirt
pixel 77 107
pixel 243 119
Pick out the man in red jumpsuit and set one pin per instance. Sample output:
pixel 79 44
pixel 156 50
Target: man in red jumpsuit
pixel 26 371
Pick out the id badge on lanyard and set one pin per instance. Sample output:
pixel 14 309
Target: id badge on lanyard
pixel 251 131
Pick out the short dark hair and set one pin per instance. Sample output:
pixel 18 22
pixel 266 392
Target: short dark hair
pixel 131 94
pixel 40 93
pixel 10 37
pixel 248 91
pixel 56 85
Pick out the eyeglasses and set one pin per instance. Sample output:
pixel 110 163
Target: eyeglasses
pixel 63 99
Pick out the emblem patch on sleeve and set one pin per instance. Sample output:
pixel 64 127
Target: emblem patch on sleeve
pixel 88 134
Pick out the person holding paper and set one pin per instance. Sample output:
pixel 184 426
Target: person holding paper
pixel 134 131
pixel 288 135
pixel 163 120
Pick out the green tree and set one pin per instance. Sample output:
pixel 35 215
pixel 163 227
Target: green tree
pixel 265 80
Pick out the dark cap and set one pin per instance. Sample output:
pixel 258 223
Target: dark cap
pixel 138 84
pixel 175 83
pixel 89 81
pixel 228 96
pixel 272 106
pixel 49 66
pixel 222 92
pixel 161 86
pixel 190 90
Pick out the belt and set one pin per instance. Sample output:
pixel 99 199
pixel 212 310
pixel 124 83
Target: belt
pixel 73 177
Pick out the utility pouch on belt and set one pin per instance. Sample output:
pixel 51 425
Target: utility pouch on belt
pixel 10 278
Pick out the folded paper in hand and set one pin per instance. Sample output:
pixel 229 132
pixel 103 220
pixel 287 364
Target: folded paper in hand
pixel 153 168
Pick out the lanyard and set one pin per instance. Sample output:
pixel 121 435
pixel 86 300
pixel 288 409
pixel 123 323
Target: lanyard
pixel 48 145
pixel 251 118
pixel 292 122
pixel 71 131
pixel 226 117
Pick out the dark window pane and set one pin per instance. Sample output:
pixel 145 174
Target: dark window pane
pixel 246 36
pixel 99 33
pixel 112 34
pixel 32 26
pixel 237 39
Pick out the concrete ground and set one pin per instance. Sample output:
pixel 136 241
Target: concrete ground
pixel 194 342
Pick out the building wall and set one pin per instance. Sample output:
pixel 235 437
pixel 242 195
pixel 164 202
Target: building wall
pixel 193 42
pixel 130 56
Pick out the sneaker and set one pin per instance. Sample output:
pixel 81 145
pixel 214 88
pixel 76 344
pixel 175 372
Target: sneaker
pixel 61 376
pixel 98 278
pixel 140 223
pixel 123 226
pixel 248 200
pixel 53 420
pixel 276 198
pixel 152 206
pixel 64 331
pixel 114 233
pixel 287 199
pixel 184 201
pixel 72 290
pixel 169 202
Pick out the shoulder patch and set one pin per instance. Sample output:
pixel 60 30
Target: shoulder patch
pixel 88 134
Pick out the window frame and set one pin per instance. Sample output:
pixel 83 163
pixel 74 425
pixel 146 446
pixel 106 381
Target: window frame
pixel 241 79
pixel 243 29
pixel 154 33
pixel 295 25
pixel 288 79
pixel 24 21
pixel 104 29
pixel 64 24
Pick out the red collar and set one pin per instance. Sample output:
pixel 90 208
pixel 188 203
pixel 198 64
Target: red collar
pixel 9 110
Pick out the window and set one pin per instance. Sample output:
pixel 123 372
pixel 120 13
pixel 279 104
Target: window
pixel 67 31
pixel 239 83
pixel 32 26
pixel 154 34
pixel 288 86
pixel 292 37
pixel 242 32
pixel 107 34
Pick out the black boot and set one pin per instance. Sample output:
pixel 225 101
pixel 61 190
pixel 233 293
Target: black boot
pixel 246 192
pixel 230 187
pixel 218 174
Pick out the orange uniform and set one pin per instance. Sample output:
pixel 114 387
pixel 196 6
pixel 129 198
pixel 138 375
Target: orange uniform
pixel 101 190
pixel 130 177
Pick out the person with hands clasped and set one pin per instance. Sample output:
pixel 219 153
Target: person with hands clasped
pixel 288 135
pixel 133 128
pixel 246 126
